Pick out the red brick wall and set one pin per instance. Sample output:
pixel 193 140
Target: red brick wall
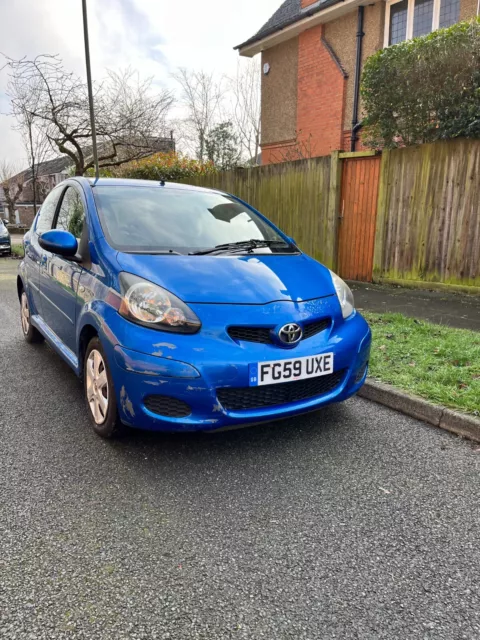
pixel 347 140
pixel 280 152
pixel 321 96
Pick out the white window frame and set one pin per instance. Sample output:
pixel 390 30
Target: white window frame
pixel 410 14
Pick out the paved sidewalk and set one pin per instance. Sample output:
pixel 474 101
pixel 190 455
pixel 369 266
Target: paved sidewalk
pixel 452 309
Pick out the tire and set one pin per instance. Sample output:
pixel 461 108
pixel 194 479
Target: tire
pixel 30 333
pixel 99 392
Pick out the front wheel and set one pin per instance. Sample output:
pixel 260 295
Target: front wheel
pixel 30 333
pixel 100 392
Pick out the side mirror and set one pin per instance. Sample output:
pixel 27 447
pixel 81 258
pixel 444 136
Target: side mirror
pixel 60 242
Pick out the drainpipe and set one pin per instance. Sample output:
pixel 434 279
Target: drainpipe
pixel 358 70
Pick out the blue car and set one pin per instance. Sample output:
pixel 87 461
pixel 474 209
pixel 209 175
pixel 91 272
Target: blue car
pixel 184 309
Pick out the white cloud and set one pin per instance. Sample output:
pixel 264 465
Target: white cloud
pixel 153 36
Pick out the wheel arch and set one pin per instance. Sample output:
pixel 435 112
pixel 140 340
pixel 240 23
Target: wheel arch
pixel 20 287
pixel 87 332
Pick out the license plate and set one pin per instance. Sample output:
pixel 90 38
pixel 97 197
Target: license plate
pixel 277 371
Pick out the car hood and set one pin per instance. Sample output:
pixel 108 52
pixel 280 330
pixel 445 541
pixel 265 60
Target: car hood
pixel 245 279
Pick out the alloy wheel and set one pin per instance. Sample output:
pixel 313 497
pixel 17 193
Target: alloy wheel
pixel 97 386
pixel 25 314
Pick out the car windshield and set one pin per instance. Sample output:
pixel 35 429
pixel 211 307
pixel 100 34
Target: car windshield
pixel 157 219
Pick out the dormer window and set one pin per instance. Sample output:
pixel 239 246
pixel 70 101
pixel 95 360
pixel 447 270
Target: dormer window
pixel 406 19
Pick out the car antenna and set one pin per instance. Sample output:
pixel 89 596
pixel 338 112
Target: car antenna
pixel 162 182
pixel 90 92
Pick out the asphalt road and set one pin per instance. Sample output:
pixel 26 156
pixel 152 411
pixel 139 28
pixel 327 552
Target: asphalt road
pixel 352 523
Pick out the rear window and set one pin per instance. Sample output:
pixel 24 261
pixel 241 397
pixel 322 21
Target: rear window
pixel 155 219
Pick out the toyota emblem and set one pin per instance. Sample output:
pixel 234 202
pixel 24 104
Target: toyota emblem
pixel 290 334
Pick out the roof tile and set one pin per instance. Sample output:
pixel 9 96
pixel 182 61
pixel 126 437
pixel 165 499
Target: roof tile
pixel 288 13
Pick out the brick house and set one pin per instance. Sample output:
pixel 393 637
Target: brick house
pixel 50 173
pixel 312 56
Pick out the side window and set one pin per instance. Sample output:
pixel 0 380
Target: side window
pixel 71 216
pixel 47 212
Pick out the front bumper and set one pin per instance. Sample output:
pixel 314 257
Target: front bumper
pixel 5 247
pixel 191 369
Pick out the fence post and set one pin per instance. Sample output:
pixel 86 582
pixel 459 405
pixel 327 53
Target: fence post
pixel 334 194
pixel 382 213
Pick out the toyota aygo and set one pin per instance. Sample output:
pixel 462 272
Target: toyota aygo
pixel 184 309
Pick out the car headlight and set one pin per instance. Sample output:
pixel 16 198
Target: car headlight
pixel 344 294
pixel 152 306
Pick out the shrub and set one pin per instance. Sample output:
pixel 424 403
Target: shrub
pixel 165 166
pixel 424 89
pixel 160 166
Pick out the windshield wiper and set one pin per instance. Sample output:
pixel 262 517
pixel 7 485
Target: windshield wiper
pixel 243 245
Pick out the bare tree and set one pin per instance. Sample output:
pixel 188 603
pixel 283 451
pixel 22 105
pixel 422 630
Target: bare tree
pixel 37 146
pixel 26 95
pixel 245 94
pixel 202 95
pixel 12 183
pixel 129 115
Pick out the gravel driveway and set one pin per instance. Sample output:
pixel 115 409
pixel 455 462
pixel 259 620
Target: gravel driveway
pixel 351 523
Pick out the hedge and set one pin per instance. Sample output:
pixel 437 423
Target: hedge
pixel 424 89
pixel 160 166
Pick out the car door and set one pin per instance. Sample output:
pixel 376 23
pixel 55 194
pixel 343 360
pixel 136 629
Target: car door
pixel 59 276
pixel 34 252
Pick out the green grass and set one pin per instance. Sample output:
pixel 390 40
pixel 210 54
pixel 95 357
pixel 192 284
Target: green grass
pixel 435 362
pixel 17 250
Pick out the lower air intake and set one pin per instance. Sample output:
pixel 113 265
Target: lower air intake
pixel 270 395
pixel 167 406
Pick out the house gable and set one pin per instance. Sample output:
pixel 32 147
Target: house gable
pixel 313 46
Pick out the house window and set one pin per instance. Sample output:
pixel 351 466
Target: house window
pixel 422 17
pixel 449 13
pixel 406 19
pixel 398 22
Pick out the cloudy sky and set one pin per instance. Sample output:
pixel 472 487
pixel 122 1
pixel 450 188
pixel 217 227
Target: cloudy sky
pixel 153 36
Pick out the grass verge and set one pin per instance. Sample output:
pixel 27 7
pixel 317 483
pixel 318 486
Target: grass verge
pixel 17 250
pixel 432 361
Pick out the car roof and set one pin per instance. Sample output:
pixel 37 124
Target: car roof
pixel 124 182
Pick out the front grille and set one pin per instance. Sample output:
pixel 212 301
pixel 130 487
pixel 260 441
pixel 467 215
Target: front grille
pixel 313 328
pixel 167 406
pixel 251 334
pixel 269 395
pixel 264 334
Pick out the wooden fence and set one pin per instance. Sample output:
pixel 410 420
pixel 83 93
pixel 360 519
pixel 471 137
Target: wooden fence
pixel 428 220
pixel 425 225
pixel 294 195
